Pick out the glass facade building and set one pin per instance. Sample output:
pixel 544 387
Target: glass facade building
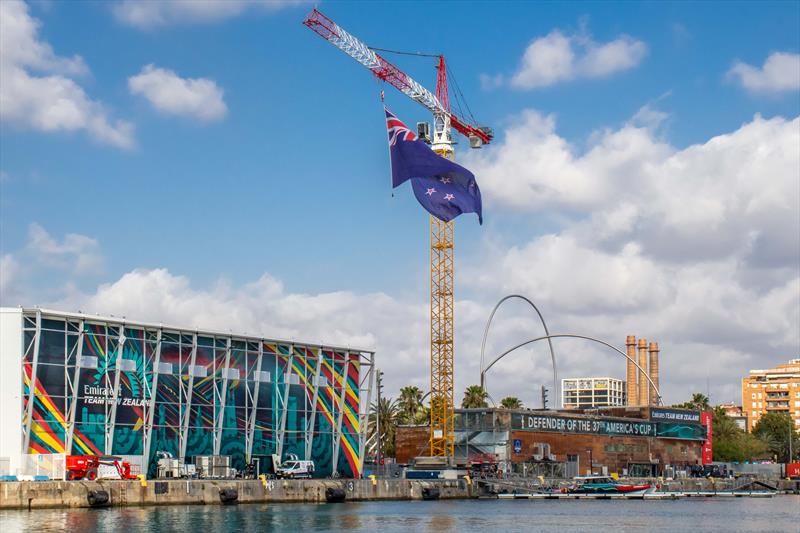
pixel 103 386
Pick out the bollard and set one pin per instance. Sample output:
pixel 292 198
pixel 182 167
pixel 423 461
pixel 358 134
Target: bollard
pixel 374 479
pixel 228 496
pixel 97 498
pixel 430 493
pixel 335 495
pixel 142 480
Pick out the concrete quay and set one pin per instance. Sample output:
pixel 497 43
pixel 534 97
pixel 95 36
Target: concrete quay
pixel 50 494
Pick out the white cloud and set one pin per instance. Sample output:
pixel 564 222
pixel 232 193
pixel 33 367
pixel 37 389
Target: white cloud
pixel 53 101
pixel 77 253
pixel 199 98
pixel 557 57
pixel 780 72
pixel 9 272
pixel 734 192
pixel 149 14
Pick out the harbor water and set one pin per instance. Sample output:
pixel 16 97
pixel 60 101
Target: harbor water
pixel 777 514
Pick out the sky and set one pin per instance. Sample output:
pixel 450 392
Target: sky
pixel 216 164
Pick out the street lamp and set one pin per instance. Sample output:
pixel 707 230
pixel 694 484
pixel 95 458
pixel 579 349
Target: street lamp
pixel 591 467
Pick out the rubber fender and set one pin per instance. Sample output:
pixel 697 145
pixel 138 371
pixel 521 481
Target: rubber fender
pixel 335 495
pixel 97 498
pixel 228 495
pixel 430 493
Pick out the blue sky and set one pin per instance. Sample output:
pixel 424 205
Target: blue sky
pixel 292 179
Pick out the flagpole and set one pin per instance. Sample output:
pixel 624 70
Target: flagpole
pixel 388 148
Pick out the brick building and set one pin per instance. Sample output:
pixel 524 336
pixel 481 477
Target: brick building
pixel 635 441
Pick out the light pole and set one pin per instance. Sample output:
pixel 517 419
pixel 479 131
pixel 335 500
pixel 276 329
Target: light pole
pixel 591 468
pixel 378 435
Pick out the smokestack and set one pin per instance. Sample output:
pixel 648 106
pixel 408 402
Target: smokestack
pixel 631 391
pixel 644 385
pixel 654 372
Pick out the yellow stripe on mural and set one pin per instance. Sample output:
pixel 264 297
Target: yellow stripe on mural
pixel 48 439
pixel 353 455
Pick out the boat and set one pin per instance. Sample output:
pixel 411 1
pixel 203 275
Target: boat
pixel 605 485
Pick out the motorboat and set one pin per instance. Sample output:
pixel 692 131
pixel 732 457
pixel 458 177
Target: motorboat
pixel 605 485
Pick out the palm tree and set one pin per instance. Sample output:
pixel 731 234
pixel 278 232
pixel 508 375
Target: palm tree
pixel 699 402
pixel 409 404
pixel 511 402
pixel 474 397
pixel 386 411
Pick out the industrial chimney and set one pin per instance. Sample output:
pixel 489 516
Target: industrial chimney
pixel 644 385
pixel 654 372
pixel 630 389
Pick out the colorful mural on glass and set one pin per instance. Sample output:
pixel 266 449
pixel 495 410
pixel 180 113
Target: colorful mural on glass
pixel 208 395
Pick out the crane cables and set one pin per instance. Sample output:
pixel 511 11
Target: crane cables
pixel 458 94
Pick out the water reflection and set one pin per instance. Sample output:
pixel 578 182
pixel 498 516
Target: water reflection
pixel 777 514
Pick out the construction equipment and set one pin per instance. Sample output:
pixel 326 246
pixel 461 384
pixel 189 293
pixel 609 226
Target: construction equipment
pixel 93 467
pixel 441 233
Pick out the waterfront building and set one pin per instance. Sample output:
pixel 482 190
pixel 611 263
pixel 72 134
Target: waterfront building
pixel 774 390
pixel 78 384
pixel 634 441
pixel 586 393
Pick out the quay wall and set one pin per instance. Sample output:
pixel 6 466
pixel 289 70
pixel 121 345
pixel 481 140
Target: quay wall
pixel 49 494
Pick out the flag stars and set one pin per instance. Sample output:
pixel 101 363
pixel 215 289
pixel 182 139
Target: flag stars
pixel 449 197
pixel 445 180
pixel 430 191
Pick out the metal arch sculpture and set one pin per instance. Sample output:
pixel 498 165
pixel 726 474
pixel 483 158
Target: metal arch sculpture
pixel 573 336
pixel 544 325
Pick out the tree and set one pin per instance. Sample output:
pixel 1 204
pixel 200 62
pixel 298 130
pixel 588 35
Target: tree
pixel 387 409
pixel 511 402
pixel 775 429
pixel 474 397
pixel 409 404
pixel 731 443
pixel 699 402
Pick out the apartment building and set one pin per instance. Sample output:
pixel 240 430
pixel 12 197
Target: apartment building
pixel 775 390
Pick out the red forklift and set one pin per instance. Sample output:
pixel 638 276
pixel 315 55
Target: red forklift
pixel 88 467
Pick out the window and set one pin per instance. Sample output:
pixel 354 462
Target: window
pixel 755 414
pixel 754 396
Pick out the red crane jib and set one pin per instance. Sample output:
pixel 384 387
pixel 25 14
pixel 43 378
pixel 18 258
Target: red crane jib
pixel 386 71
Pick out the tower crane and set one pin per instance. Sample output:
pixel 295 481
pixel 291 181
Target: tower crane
pixel 441 233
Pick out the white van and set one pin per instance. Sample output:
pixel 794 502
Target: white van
pixel 295 469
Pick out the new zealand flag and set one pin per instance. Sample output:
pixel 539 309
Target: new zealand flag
pixel 443 188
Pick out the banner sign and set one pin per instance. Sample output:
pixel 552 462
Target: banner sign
pixel 606 426
pixel 683 431
pixel 597 426
pixel 675 415
pixel 708 455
